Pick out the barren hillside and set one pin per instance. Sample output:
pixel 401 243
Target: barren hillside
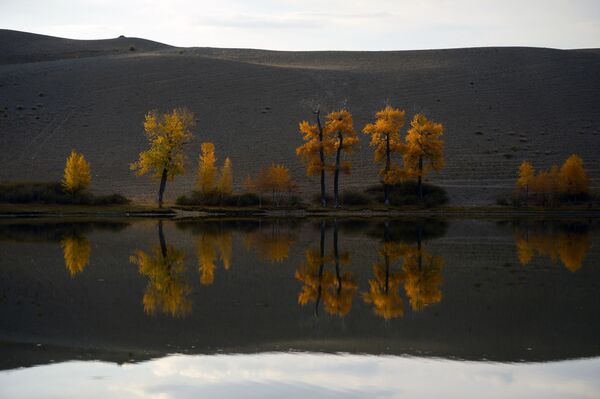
pixel 499 106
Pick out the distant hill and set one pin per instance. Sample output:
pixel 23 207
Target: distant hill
pixel 499 106
pixel 22 47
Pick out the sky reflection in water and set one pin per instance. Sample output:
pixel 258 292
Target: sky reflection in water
pixel 302 375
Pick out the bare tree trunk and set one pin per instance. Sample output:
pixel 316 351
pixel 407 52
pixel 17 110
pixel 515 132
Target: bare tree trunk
pixel 322 159
pixel 336 256
pixel 336 176
pixel 161 189
pixel 321 267
pixel 420 180
pixel 161 239
pixel 386 187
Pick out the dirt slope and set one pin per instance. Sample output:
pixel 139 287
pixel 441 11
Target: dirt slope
pixel 499 106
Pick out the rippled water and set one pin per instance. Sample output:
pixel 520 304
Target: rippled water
pixel 300 308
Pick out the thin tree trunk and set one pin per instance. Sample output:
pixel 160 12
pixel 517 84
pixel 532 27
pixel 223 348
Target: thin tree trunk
pixel 336 256
pixel 161 189
pixel 420 180
pixel 386 238
pixel 322 159
pixel 321 267
pixel 386 187
pixel 336 176
pixel 161 239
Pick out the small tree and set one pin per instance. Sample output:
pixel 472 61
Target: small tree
pixel 77 176
pixel 572 177
pixel 340 128
pixel 424 149
pixel 526 176
pixel 206 178
pixel 318 145
pixel 385 137
pixel 226 178
pixel 167 134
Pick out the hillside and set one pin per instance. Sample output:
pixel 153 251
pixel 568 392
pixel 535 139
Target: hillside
pixel 499 106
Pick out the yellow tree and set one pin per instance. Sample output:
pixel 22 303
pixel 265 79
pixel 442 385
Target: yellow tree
pixel 384 287
pixel 206 259
pixel 385 137
pixel 338 300
pixel 526 176
pixel 77 176
pixel 226 178
pixel 76 251
pixel 423 276
pixel 275 179
pixel 207 170
pixel 424 149
pixel 166 134
pixel 573 179
pixel 167 291
pixel 340 127
pixel 317 145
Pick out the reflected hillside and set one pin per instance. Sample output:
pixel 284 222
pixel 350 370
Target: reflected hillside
pixel 567 242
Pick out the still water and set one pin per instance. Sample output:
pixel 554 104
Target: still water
pixel 300 308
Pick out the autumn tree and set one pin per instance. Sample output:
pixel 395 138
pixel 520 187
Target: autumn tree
pixel 340 127
pixel 572 177
pixel 526 176
pixel 76 251
pixel 422 276
pixel 275 179
pixel 167 291
pixel 77 176
pixel 385 137
pixel 318 145
pixel 206 179
pixel 424 149
pixel 226 178
pixel 167 134
pixel 271 243
pixel 341 293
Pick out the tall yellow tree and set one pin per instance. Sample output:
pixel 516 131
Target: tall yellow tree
pixel 385 137
pixel 167 134
pixel 573 179
pixel 424 149
pixel 206 179
pixel 422 276
pixel 77 176
pixel 317 146
pixel 340 127
pixel 226 178
pixel 526 176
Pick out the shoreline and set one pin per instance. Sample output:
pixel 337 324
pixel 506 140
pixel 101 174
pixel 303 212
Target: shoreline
pixel 14 211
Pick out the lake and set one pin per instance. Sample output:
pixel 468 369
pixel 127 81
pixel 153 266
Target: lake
pixel 323 308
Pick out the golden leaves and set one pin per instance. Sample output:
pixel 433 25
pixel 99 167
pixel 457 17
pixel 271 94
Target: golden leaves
pixel 76 251
pixel 571 247
pixel 573 178
pixel 166 134
pixel 424 149
pixel 77 176
pixel 207 169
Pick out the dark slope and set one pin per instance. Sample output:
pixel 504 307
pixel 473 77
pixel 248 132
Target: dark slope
pixel 21 47
pixel 499 106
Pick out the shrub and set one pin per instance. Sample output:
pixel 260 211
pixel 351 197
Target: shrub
pixel 354 198
pixel 52 193
pixel 197 198
pixel 406 194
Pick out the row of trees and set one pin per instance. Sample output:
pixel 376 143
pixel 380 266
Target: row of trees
pixel 421 150
pixel 571 179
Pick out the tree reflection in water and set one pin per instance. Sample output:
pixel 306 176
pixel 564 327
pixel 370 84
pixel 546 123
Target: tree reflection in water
pixel 167 290
pixel 567 242
pixel 76 251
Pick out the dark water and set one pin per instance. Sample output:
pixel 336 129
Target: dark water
pixel 300 308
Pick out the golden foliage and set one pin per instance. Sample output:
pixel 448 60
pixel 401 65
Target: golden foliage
pixel 206 252
pixel 384 292
pixel 226 178
pixel 526 175
pixel 275 179
pixel 76 251
pixel 385 137
pixel 573 178
pixel 309 152
pixel 207 170
pixel 271 246
pixel 423 276
pixel 424 147
pixel 77 176
pixel 167 291
pixel 166 134
pixel 568 246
